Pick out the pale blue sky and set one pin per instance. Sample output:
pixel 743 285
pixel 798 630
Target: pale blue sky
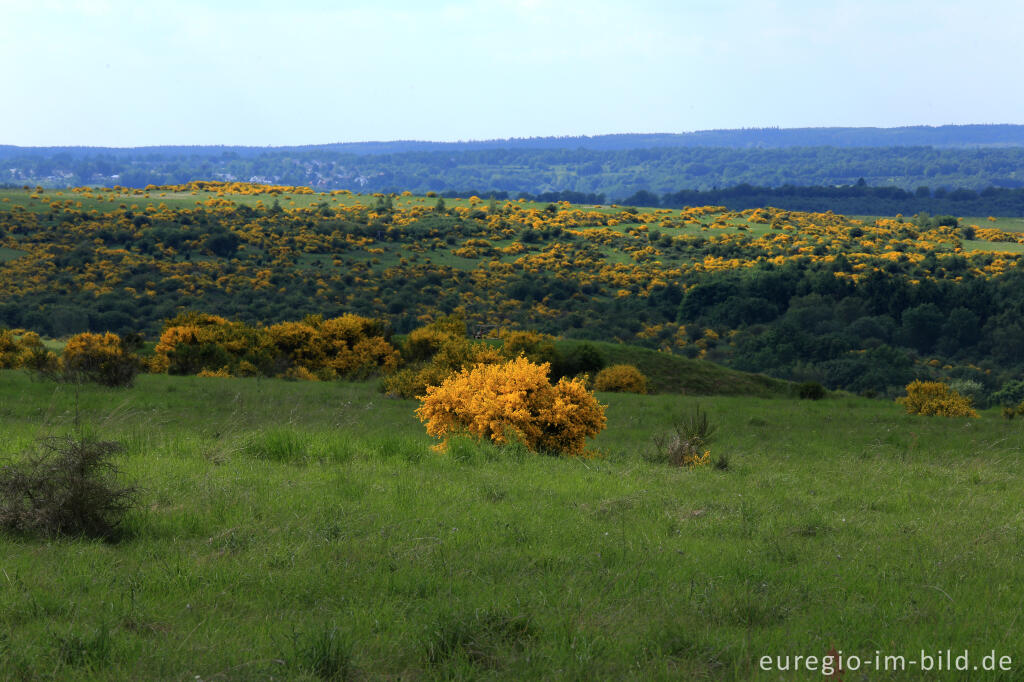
pixel 128 73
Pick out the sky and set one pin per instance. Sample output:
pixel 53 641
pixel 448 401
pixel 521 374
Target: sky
pixel 253 72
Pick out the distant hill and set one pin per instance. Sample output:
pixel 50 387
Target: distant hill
pixel 608 168
pixel 987 135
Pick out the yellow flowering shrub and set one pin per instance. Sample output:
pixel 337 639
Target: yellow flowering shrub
pixel 101 358
pixel 621 379
pixel 433 353
pixel 346 346
pixel 10 350
pixel 513 400
pixel 457 354
pixel 35 356
pixel 535 346
pixel 935 398
pixel 221 373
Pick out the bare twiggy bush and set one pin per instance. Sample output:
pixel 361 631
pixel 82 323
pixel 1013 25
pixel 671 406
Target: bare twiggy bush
pixel 68 486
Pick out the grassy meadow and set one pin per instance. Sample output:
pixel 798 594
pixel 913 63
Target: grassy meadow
pixel 296 530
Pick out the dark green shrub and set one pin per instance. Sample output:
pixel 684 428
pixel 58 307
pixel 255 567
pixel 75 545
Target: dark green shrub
pixel 811 390
pixel 1010 394
pixel 581 359
pixel 68 487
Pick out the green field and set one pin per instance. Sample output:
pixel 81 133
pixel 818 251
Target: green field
pixel 9 254
pixel 295 530
pixel 1000 223
pixel 995 247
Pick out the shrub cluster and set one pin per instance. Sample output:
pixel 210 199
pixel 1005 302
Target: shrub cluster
pixel 437 350
pixel 105 359
pixel 934 398
pixel 621 379
pixel 349 346
pixel 513 401
pixel 434 352
pixel 24 351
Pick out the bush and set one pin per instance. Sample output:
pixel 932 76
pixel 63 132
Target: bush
pixel 28 352
pixel 350 346
pixel 621 379
pixel 99 358
pixel 1011 393
pixel 810 390
pixel 10 350
pixel 933 398
pixel 70 487
pixel 687 445
pixel 581 359
pixel 971 389
pixel 1009 412
pixel 513 401
pixel 434 353
pixel 535 346
pixel 35 356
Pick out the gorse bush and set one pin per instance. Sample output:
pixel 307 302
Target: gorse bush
pixel 10 350
pixel 934 398
pixel 27 352
pixel 513 401
pixel 1011 411
pixel 621 379
pixel 69 487
pixel 105 359
pixel 434 352
pixel 350 347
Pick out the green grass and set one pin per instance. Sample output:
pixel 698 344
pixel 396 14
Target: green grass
pixel 998 247
pixel 7 254
pixel 306 531
pixel 668 373
pixel 1000 223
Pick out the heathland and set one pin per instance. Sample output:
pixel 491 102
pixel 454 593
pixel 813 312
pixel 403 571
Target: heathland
pixel 291 518
pixel 862 303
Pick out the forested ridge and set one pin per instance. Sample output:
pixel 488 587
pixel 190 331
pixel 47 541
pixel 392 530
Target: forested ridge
pixel 970 158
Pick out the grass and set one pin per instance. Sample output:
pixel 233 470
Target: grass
pixel 1000 223
pixel 668 373
pixel 998 247
pixel 7 254
pixel 306 531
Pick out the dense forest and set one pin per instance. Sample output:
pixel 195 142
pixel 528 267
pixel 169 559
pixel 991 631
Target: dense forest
pixel 614 167
pixel 855 304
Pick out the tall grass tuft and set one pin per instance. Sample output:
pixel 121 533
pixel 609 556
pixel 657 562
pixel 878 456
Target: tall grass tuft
pixel 326 654
pixel 686 446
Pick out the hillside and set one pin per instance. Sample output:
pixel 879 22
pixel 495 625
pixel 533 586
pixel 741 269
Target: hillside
pixel 864 304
